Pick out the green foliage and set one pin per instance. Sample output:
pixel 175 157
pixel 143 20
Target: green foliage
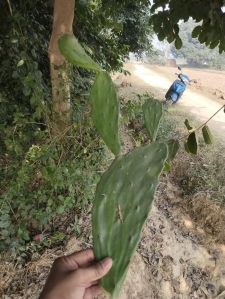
pixel 40 176
pixel 109 30
pixel 153 111
pixel 24 38
pixel 195 53
pixel 167 14
pixel 192 144
pixel 136 32
pixel 131 109
pixel 24 76
pixel 122 201
pixel 188 126
pixel 105 111
pixel 103 97
pixel 75 54
pixel 56 176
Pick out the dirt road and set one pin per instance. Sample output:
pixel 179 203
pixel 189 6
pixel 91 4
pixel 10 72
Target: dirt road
pixel 200 105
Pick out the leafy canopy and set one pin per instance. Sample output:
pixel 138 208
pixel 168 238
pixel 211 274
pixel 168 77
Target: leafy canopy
pixel 194 52
pixel 166 15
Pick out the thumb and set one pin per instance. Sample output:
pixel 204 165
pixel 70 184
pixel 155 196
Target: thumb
pixel 94 272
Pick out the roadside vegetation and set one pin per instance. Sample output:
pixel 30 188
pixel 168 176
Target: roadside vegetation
pixel 46 176
pixel 201 173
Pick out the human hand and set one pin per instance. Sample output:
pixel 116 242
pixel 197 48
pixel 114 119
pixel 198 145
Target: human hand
pixel 75 276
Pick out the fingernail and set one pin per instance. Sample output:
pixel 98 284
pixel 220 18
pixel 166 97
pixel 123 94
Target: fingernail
pixel 107 263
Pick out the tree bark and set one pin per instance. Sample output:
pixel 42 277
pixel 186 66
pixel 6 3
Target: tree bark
pixel 62 24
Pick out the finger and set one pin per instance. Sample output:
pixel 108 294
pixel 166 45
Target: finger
pixel 95 272
pixel 92 283
pixel 83 257
pixel 76 260
pixel 93 291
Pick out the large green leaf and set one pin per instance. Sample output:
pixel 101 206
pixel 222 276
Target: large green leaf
pixel 122 202
pixel 207 135
pixel 105 110
pixel 75 54
pixel 153 111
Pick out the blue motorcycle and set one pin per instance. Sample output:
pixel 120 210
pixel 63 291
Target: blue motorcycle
pixel 177 89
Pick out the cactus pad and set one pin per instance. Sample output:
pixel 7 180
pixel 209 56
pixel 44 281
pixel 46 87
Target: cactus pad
pixel 105 111
pixel 122 202
pixel 153 111
pixel 75 54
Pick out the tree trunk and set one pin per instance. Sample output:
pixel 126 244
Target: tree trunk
pixel 62 24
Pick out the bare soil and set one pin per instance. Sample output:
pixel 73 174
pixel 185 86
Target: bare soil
pixel 181 254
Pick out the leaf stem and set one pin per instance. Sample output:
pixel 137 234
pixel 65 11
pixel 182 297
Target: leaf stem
pixel 202 125
pixel 205 123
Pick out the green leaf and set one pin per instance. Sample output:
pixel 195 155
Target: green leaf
pixel 105 111
pixel 122 202
pixel 75 54
pixel 154 7
pixel 161 35
pixel 187 124
pixel 171 38
pixel 197 30
pixel 207 135
pixel 153 111
pixel 24 234
pixel 214 44
pixel 20 63
pixel 192 143
pixel 178 43
pixel 173 147
pixel 176 29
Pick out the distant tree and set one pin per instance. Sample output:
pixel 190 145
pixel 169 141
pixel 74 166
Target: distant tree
pixel 194 52
pixel 167 14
